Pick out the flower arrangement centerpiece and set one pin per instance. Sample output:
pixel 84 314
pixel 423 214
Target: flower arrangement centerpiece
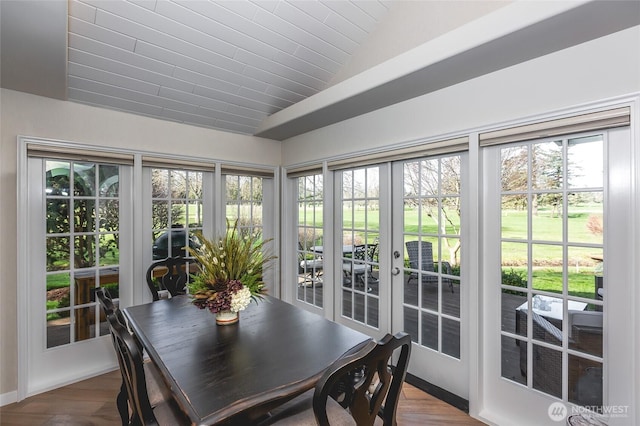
pixel 230 272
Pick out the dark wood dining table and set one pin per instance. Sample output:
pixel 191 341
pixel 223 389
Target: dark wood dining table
pixel 237 373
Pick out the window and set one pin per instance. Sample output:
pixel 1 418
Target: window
pixel 82 246
pixel 552 216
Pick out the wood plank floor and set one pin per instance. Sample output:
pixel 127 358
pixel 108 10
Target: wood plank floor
pixel 92 403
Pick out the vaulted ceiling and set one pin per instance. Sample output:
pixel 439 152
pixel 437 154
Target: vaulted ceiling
pixel 219 64
pixel 276 68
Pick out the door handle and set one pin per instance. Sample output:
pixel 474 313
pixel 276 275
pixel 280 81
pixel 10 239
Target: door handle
pixel 395 271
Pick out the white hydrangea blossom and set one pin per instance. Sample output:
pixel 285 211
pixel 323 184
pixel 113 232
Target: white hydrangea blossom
pixel 240 300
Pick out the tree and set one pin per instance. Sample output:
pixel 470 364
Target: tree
pixel 434 186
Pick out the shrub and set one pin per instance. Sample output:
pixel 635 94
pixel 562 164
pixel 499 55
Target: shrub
pixel 514 278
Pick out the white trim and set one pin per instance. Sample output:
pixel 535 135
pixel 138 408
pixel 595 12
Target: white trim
pixel 470 263
pixel 328 220
pixel 635 236
pixel 8 398
pixel 598 120
pixel 628 99
pixel 215 162
pixel 23 270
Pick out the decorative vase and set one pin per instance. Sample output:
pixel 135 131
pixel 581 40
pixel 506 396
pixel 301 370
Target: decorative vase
pixel 227 317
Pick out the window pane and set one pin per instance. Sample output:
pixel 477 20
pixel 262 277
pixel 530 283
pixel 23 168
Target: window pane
pixel 514 216
pixel 514 312
pixel 585 382
pixel 547 370
pixel 160 214
pixel 514 254
pixel 583 267
pixel 450 210
pixel 451 337
pixel 84 251
pixel 429 216
pixel 159 183
pixel 429 177
pixel 57 181
pixel 515 165
pixel 84 215
pixel 430 330
pixel 546 220
pixel 514 359
pixel 84 183
pixel 411 323
pixel 109 181
pixel 58 253
pixel 57 216
pixel 547 267
pixel 546 165
pixel 585 158
pixel 585 211
pixel 109 215
pixel 109 249
pixel 178 184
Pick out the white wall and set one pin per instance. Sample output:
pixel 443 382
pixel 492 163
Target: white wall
pixel 29 115
pixel 603 68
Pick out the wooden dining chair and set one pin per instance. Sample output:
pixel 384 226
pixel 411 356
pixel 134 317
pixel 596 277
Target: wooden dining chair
pixel 143 389
pixel 108 306
pixel 359 389
pixel 173 281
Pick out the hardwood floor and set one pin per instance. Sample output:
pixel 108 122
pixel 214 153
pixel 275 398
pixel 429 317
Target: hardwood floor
pixel 92 403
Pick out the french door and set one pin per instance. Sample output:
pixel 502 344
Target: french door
pixel 557 280
pixel 77 241
pixel 408 216
pixel 362 289
pixel 429 294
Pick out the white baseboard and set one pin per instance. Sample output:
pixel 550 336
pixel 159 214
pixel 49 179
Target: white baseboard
pixel 8 398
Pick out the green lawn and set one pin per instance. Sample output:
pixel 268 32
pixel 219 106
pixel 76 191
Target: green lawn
pixel 547 228
pixel 580 283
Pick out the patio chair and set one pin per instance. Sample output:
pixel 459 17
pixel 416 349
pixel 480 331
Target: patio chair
pixel 359 268
pixel 310 269
pixel 421 259
pixel 585 335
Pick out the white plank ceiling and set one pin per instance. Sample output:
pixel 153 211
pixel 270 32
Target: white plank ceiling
pixel 219 64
